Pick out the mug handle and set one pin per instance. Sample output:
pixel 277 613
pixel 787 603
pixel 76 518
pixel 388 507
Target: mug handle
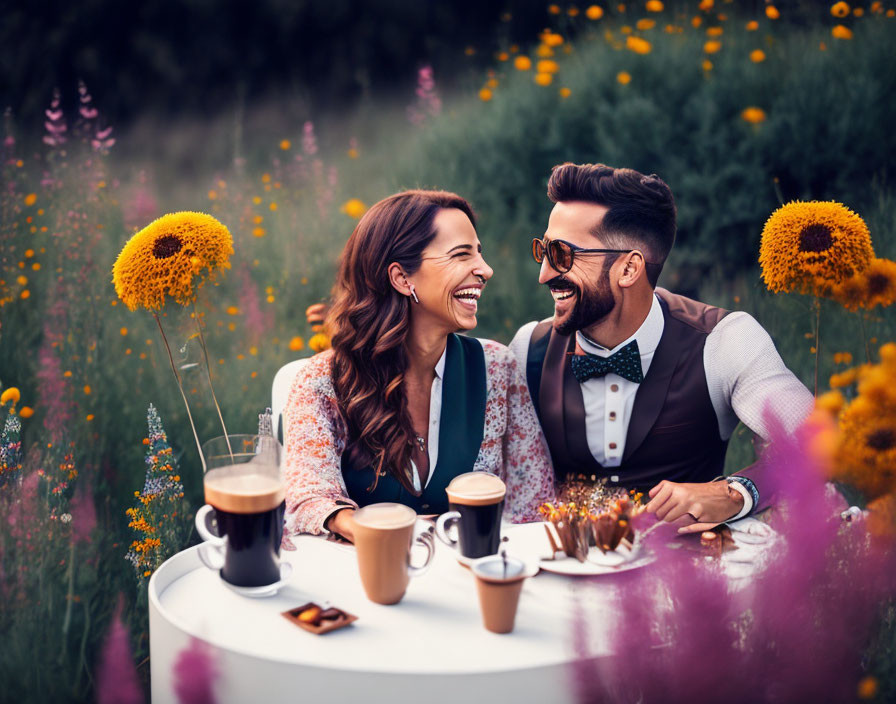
pixel 444 524
pixel 424 538
pixel 211 551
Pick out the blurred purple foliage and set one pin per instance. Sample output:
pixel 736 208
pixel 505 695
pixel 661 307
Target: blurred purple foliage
pixel 795 632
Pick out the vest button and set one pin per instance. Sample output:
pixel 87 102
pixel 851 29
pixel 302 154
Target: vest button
pixel 612 415
pixel 425 505
pixel 612 445
pixel 614 387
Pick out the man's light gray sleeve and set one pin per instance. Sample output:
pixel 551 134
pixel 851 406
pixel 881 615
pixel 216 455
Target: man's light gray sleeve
pixel 519 345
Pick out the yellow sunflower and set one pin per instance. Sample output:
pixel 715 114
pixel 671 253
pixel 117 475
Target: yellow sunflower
pixel 881 281
pixel 874 286
pixel 882 517
pixel 172 256
pixel 866 454
pixel 809 246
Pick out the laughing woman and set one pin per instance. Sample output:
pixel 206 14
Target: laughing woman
pixel 401 404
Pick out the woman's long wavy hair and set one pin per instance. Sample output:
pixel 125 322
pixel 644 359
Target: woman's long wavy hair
pixel 369 324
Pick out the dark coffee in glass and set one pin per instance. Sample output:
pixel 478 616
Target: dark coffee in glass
pixel 476 500
pixel 245 492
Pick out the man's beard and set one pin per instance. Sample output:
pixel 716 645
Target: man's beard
pixel 593 304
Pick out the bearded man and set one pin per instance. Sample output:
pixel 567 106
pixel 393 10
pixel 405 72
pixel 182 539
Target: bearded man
pixel 633 383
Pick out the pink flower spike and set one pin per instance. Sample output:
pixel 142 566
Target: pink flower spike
pixel 117 677
pixel 194 674
pixel 83 516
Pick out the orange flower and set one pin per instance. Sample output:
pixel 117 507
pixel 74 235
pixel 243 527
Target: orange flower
pixel 654 6
pixel 522 63
pixel 624 77
pixel 752 26
pixel 772 12
pixel 544 79
pixel 354 208
pixel 637 45
pixel 839 9
pixel 565 92
pixel 841 32
pixel 753 115
pixel 595 12
pixel 713 46
pixel 485 95
pixel 757 56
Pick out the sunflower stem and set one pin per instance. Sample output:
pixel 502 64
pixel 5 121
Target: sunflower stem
pixel 778 190
pixel 180 386
pixel 817 330
pixel 208 373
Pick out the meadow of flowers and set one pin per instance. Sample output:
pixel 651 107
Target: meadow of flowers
pixel 739 107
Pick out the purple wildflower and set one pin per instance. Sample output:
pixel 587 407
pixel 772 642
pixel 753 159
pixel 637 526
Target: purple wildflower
pixel 256 320
pixel 428 103
pixel 309 141
pixel 55 123
pixel 116 676
pixel 194 674
pixel 83 515
pixel 796 632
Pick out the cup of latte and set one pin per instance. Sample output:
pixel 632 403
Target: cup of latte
pixel 242 522
pixel 384 535
pixel 476 500
pixel 499 581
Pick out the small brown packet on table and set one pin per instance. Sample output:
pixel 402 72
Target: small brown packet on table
pixel 318 620
pixel 712 543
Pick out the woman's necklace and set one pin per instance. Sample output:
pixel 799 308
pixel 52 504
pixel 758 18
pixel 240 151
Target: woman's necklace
pixel 421 441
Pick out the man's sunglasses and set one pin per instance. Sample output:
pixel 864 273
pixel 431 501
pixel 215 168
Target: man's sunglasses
pixel 561 254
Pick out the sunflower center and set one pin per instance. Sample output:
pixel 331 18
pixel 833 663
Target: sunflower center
pixel 816 238
pixel 882 439
pixel 877 284
pixel 166 246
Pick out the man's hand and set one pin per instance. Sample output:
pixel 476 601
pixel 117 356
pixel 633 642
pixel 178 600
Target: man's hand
pixel 698 507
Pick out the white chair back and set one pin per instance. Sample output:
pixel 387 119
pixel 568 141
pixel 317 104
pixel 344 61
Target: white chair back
pixel 280 389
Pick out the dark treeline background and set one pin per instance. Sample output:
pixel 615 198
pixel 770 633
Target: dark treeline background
pixel 196 57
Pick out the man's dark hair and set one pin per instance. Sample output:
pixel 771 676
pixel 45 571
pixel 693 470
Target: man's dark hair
pixel 641 211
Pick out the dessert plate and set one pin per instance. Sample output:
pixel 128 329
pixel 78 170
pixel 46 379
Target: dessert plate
pixel 530 541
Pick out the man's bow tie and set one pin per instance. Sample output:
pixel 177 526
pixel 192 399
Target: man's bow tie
pixel 626 363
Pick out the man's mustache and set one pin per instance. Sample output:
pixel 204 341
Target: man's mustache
pixel 561 283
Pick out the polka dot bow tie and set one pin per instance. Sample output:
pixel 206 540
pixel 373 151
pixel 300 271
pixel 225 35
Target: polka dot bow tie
pixel 626 363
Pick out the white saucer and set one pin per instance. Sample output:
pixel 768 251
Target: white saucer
pixel 530 541
pixel 266 589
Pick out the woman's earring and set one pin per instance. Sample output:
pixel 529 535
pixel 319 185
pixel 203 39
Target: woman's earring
pixel 413 292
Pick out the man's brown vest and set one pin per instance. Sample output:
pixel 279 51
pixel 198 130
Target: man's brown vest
pixel 673 432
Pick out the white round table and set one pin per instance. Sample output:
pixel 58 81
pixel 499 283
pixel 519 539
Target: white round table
pixel 431 647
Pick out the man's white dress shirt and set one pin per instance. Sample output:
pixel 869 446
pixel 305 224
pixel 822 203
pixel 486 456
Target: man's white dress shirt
pixel 744 373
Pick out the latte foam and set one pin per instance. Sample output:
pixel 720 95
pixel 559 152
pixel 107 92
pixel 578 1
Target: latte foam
pixel 476 489
pixel 385 515
pixel 243 492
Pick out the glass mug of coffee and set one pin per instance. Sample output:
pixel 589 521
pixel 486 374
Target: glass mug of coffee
pixel 384 535
pixel 476 501
pixel 245 490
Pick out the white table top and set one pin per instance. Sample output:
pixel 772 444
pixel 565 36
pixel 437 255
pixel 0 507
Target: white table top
pixel 436 628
